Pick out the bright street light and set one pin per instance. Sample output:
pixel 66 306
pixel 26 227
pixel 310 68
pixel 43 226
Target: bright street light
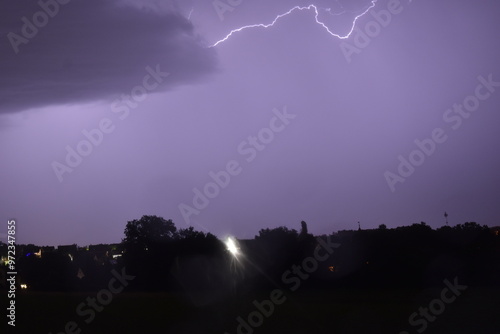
pixel 231 246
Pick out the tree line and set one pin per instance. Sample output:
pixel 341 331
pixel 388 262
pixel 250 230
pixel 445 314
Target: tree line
pixel 164 258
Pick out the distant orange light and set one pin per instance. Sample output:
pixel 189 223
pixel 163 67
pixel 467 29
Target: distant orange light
pixel 332 268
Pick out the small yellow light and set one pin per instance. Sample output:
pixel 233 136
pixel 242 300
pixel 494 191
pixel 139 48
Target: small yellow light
pixel 24 286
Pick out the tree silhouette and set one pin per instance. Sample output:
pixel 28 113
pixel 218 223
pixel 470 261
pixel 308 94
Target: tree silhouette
pixel 150 250
pixel 149 230
pixel 275 250
pixel 278 233
pixel 191 233
pixel 303 228
pixel 306 240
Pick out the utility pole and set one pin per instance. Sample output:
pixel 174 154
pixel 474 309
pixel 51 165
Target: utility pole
pixel 446 217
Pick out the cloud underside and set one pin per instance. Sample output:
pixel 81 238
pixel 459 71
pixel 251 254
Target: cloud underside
pixel 93 49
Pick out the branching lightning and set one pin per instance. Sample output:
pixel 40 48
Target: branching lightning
pixel 299 8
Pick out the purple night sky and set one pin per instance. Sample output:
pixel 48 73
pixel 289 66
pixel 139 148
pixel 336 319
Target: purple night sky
pixel 394 125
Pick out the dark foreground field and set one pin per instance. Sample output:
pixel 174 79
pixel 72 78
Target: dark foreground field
pixel 476 310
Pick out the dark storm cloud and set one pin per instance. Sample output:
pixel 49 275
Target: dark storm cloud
pixel 86 50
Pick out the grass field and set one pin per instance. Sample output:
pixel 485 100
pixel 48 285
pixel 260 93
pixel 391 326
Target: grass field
pixel 477 311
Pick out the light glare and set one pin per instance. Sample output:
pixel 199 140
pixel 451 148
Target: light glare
pixel 231 246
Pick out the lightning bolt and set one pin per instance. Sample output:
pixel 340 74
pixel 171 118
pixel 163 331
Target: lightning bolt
pixel 299 8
